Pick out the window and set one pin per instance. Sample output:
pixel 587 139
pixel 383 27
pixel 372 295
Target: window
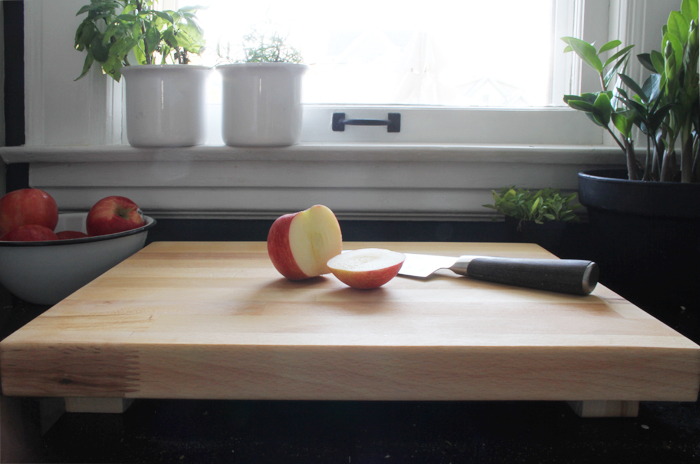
pixel 458 53
pixel 496 67
pixel 52 66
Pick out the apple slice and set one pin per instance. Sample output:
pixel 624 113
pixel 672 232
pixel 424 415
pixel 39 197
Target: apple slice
pixel 300 244
pixel 366 268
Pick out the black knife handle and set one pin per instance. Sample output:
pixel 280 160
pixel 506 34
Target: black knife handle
pixel 574 276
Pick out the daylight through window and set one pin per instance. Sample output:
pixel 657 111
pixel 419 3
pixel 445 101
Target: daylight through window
pixel 467 53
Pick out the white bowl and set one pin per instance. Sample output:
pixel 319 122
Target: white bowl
pixel 47 272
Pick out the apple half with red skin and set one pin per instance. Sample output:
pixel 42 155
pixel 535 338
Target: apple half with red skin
pixel 112 215
pixel 29 233
pixel 366 268
pixel 300 244
pixel 69 234
pixel 27 206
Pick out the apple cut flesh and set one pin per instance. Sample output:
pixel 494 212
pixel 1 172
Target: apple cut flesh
pixel 366 268
pixel 300 244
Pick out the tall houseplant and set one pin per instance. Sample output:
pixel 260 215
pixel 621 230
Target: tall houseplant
pixel 646 219
pixel 262 93
pixel 164 100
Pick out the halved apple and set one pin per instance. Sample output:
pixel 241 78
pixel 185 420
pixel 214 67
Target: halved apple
pixel 366 268
pixel 300 244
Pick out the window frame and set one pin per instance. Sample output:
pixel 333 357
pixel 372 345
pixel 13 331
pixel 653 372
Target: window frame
pixel 556 124
pixel 102 114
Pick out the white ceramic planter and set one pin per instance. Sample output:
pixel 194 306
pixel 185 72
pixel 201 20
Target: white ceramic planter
pixel 261 103
pixel 165 105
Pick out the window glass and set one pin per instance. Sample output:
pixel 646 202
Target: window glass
pixel 467 53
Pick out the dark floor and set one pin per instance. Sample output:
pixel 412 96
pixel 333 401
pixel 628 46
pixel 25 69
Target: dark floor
pixel 364 432
pixel 181 431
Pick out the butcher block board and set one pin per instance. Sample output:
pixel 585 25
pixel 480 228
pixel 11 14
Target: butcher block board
pixel 216 321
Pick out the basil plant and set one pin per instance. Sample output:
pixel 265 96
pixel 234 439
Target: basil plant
pixel 115 32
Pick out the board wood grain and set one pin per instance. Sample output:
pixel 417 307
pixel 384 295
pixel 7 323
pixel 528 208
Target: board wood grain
pixel 214 320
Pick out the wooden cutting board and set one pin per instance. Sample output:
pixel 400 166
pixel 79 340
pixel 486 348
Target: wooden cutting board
pixel 216 320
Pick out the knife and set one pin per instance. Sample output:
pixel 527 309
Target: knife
pixel 578 277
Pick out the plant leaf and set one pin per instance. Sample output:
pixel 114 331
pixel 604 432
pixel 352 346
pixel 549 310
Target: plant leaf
pixel 98 50
pixel 586 52
pixel 677 47
pixel 633 105
pixel 657 59
pixel 658 117
pixel 624 121
pixel 595 120
pixel 151 39
pixel 84 35
pixel 164 16
pixel 603 108
pixel 652 87
pixel 689 8
pixel 622 53
pixel 582 105
pixel 121 47
pixel 629 82
pixel 609 46
pixel 678 26
pixel 86 65
pixel 645 60
pixel 622 62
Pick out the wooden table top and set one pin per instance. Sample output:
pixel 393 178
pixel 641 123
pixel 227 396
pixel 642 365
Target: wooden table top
pixel 215 320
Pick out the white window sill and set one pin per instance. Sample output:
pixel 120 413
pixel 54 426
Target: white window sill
pixel 407 152
pixel 357 181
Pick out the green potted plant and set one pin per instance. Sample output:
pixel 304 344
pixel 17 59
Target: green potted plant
pixel 535 216
pixel 262 93
pixel 646 218
pixel 150 48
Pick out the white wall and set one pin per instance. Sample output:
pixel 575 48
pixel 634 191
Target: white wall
pixel 58 110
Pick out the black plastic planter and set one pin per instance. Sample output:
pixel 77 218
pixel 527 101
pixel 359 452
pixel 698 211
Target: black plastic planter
pixel 646 234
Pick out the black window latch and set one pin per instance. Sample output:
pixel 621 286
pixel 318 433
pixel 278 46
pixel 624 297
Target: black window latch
pixel 393 122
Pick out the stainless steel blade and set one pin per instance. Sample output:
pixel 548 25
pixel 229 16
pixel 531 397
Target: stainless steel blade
pixel 424 265
pixel 575 276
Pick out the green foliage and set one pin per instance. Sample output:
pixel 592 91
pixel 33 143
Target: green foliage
pixel 540 206
pixel 117 31
pixel 665 107
pixel 259 48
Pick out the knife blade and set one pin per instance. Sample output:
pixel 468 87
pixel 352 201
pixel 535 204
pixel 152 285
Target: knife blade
pixel 574 276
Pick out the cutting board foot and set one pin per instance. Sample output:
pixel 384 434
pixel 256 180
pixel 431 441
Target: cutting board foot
pixel 98 405
pixel 605 408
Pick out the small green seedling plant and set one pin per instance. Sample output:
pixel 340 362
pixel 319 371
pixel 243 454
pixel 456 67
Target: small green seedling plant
pixel 261 48
pixel 539 207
